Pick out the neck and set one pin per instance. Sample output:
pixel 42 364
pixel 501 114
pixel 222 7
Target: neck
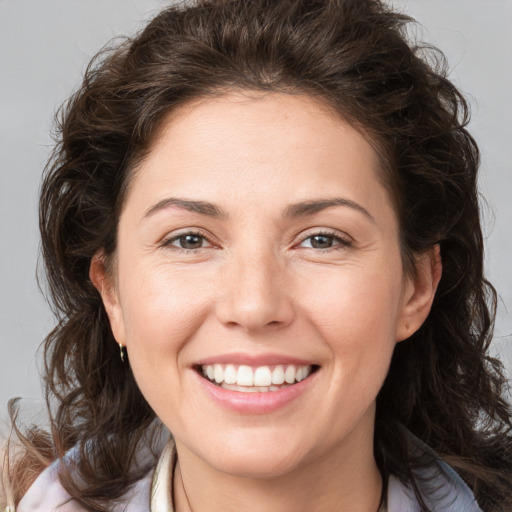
pixel 342 479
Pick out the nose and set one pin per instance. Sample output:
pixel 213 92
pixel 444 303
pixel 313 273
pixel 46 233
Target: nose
pixel 256 295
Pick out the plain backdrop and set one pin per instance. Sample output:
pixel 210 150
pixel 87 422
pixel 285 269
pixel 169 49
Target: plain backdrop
pixel 44 48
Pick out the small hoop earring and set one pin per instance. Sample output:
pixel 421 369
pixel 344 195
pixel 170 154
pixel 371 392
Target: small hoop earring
pixel 121 351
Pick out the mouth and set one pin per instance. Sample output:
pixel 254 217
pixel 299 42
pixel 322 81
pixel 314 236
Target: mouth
pixel 255 379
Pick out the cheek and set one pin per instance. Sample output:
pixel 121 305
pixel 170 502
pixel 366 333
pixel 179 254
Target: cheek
pixel 353 298
pixel 161 310
pixel 356 317
pixel 162 313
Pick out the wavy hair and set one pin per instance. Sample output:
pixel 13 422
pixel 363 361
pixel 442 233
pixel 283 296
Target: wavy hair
pixel 357 57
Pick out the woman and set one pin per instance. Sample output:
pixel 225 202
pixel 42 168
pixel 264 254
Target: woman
pixel 261 228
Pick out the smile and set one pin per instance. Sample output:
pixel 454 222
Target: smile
pixel 260 379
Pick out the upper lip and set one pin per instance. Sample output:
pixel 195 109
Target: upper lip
pixel 255 360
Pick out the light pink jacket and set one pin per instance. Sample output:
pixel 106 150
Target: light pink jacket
pixel 450 493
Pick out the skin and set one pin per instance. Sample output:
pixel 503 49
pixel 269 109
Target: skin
pixel 257 284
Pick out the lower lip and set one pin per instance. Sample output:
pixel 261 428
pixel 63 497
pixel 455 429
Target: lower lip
pixel 255 403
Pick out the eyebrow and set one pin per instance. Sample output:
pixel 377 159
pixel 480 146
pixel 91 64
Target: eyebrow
pixel 310 207
pixel 201 207
pixel 300 209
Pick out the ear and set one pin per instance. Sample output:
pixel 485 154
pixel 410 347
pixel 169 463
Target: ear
pixel 419 293
pixel 104 282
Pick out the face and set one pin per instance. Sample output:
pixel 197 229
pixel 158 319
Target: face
pixel 259 286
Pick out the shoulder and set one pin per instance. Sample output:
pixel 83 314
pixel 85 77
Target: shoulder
pixel 47 494
pixel 448 495
pixel 443 490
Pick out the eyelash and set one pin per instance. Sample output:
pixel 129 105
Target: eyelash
pixel 169 241
pixel 343 243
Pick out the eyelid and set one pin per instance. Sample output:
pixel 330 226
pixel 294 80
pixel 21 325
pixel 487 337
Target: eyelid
pixel 171 237
pixel 343 239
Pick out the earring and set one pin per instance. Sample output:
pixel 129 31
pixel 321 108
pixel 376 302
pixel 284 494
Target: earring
pixel 121 351
pixel 407 325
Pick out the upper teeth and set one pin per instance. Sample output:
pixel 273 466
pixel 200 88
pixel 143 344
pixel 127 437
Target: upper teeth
pixel 255 376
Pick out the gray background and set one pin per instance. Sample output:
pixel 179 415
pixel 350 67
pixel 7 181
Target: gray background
pixel 44 47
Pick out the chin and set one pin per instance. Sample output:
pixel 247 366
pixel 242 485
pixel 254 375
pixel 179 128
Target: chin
pixel 261 465
pixel 258 455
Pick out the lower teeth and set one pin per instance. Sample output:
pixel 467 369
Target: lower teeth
pixel 252 389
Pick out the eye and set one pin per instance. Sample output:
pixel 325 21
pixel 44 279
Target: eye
pixel 189 241
pixel 325 241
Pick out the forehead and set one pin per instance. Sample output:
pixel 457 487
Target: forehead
pixel 296 117
pixel 249 140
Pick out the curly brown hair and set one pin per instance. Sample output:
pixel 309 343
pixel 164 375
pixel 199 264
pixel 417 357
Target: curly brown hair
pixel 356 57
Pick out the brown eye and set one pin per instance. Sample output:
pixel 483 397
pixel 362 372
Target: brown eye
pixel 188 241
pixel 325 241
pixel 191 241
pixel 321 241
